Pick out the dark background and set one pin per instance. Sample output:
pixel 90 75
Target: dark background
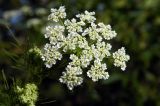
pixel 137 23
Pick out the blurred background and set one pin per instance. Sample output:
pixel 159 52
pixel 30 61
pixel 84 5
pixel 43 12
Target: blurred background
pixel 137 23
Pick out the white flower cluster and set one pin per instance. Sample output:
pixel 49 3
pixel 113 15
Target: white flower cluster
pixel 87 16
pixel 55 34
pixel 85 42
pixel 71 76
pixel 106 31
pixel 56 15
pixel 120 58
pixel 50 55
pixel 73 25
pixel 97 71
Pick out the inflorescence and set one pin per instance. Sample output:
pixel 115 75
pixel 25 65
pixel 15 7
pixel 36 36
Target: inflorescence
pixel 86 43
pixel 28 95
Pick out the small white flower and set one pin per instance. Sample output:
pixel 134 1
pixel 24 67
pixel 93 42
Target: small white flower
pixel 82 42
pixel 87 16
pixel 103 50
pixel 120 58
pixel 74 40
pixel 92 32
pixel 57 14
pixel 71 77
pixel 106 31
pixel 75 60
pixel 70 42
pixel 55 34
pixel 97 71
pixel 50 55
pixel 86 57
pixel 73 25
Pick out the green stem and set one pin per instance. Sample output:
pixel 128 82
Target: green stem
pixel 13 36
pixel 5 80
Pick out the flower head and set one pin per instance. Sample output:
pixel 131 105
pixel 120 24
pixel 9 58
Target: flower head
pixel 28 94
pixel 50 55
pixel 86 42
pixel 71 77
pixel 87 16
pixel 92 32
pixel 73 25
pixel 97 71
pixel 57 14
pixel 120 58
pixel 106 31
pixel 55 34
